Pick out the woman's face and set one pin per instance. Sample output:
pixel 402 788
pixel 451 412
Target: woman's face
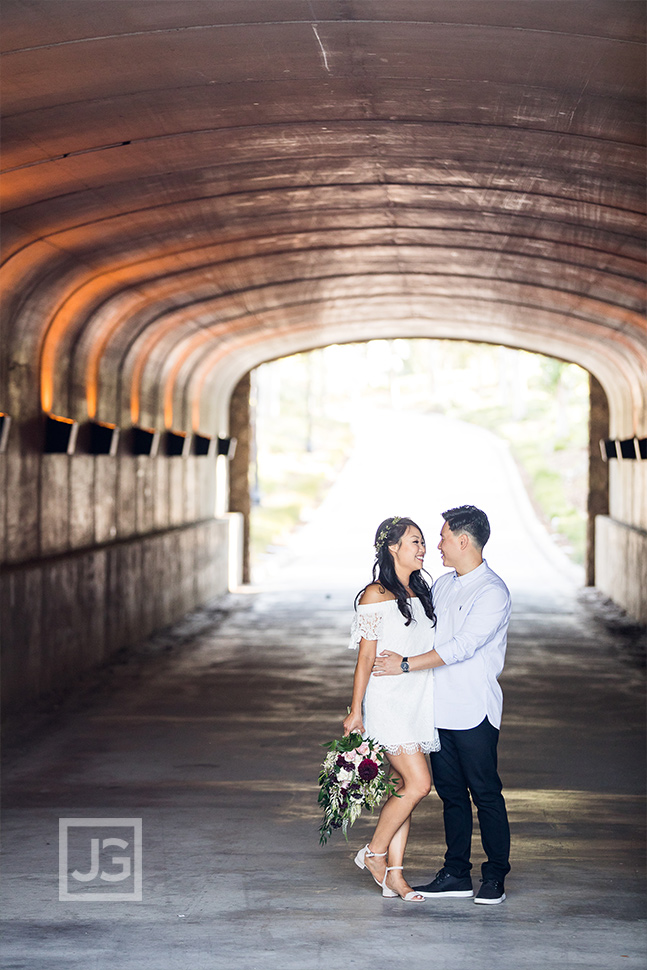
pixel 409 553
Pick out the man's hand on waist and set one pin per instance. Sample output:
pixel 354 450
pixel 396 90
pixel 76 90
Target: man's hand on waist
pixel 387 664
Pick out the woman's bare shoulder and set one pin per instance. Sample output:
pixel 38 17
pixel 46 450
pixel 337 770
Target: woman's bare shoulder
pixel 375 593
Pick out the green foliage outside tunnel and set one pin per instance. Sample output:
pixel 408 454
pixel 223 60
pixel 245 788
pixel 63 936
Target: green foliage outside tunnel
pixel 304 407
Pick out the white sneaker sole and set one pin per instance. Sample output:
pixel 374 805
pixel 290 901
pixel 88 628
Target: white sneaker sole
pixel 463 894
pixel 490 902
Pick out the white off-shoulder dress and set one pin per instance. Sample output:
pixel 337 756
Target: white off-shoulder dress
pixel 398 711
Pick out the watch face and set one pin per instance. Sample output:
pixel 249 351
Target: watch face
pixel 405 666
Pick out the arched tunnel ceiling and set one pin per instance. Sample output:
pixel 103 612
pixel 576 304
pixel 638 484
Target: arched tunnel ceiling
pixel 191 188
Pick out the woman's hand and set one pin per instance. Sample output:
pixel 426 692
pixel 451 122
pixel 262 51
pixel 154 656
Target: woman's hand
pixel 353 723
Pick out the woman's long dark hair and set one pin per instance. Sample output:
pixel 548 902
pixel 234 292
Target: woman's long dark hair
pixel 389 533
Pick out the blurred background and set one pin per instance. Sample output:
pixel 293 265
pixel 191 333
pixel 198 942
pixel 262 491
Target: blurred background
pixel 412 427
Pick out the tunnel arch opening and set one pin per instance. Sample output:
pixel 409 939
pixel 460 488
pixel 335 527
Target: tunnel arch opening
pixel 307 412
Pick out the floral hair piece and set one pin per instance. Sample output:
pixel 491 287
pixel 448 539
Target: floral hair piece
pixel 379 542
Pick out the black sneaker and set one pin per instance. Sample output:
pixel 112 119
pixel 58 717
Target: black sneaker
pixel 446 885
pixel 490 893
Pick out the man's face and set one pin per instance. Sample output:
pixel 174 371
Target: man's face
pixel 449 546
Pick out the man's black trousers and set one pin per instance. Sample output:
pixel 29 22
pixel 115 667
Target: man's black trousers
pixel 467 764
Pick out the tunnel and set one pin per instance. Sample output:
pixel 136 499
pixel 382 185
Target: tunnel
pixel 192 189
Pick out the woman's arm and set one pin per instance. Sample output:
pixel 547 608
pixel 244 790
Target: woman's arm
pixel 363 668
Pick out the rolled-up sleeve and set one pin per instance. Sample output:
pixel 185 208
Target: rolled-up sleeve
pixel 486 616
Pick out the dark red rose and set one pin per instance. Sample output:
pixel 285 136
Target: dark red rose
pixel 367 770
pixel 342 763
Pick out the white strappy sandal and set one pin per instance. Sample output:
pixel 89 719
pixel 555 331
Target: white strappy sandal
pixel 411 897
pixel 360 860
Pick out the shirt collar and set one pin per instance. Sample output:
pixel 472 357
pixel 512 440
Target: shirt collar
pixel 473 574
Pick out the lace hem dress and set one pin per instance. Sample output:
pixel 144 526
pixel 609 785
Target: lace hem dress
pixel 398 711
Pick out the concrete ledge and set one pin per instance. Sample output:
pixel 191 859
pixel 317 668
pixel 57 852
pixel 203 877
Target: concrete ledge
pixel 236 522
pixel 63 615
pixel 621 565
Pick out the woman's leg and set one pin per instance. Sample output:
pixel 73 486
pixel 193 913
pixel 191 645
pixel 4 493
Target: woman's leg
pixel 392 828
pixel 398 843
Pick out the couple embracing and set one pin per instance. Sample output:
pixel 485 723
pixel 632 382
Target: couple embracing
pixel 426 682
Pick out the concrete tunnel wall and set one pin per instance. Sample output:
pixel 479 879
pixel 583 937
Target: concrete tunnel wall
pixel 98 553
pixel 188 193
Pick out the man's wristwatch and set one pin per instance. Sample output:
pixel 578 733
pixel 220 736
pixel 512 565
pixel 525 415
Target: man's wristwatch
pixel 404 666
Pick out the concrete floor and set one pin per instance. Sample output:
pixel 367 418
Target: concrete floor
pixel 211 735
pixel 215 745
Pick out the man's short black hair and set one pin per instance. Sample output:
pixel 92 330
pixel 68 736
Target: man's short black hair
pixel 469 519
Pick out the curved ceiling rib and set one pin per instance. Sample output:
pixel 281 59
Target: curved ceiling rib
pixel 244 266
pixel 191 189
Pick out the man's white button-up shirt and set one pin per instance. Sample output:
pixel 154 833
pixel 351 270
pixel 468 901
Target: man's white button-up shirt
pixel 473 612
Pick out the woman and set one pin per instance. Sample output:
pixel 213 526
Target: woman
pixel 395 612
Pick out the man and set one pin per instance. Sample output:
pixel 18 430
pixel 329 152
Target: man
pixel 472 605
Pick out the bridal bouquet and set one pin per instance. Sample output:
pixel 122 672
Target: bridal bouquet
pixel 354 776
